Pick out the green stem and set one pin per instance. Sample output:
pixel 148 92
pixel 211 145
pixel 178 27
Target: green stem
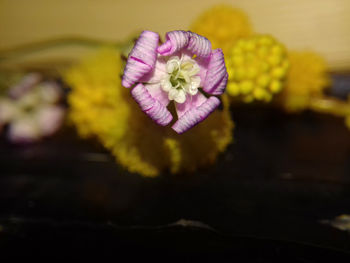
pixel 18 51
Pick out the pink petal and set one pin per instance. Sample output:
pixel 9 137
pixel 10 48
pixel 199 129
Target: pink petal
pixel 49 119
pixel 156 75
pixel 26 83
pixel 50 92
pixel 24 130
pixel 190 103
pixel 199 45
pixel 141 59
pixel 157 92
pixel 216 78
pixel 151 106
pixel 220 88
pixel 196 115
pixel 175 41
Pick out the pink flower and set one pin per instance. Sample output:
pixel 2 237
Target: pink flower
pixel 184 69
pixel 31 110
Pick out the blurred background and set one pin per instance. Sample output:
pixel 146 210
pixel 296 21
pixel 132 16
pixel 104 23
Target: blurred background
pixel 323 26
pixel 279 192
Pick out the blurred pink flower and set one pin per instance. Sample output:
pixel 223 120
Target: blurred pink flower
pixel 31 110
pixel 184 69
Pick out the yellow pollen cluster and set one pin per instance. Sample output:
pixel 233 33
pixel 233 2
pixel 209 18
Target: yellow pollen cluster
pixel 306 78
pixel 101 108
pixel 223 26
pixel 257 67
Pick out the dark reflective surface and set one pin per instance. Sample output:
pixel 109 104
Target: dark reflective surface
pixel 264 199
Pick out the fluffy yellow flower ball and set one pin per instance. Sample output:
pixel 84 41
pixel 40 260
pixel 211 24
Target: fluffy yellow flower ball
pixel 100 107
pixel 223 26
pixel 257 67
pixel 307 77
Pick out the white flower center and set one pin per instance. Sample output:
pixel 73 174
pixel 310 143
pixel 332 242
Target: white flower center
pixel 181 78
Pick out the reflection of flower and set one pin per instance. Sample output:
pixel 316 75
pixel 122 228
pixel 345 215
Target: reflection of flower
pixel 341 222
pixel 257 68
pixel 30 110
pixel 174 71
pixel 306 78
pixel 100 107
pixel 223 26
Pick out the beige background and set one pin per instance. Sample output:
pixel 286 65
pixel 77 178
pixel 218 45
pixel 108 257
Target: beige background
pixel 321 25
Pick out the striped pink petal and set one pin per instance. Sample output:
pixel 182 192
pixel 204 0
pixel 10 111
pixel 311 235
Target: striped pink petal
pixel 151 106
pixel 196 115
pixel 175 41
pixel 220 88
pixel 199 45
pixel 141 59
pixel 216 78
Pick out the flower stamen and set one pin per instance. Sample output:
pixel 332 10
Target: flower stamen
pixel 181 78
